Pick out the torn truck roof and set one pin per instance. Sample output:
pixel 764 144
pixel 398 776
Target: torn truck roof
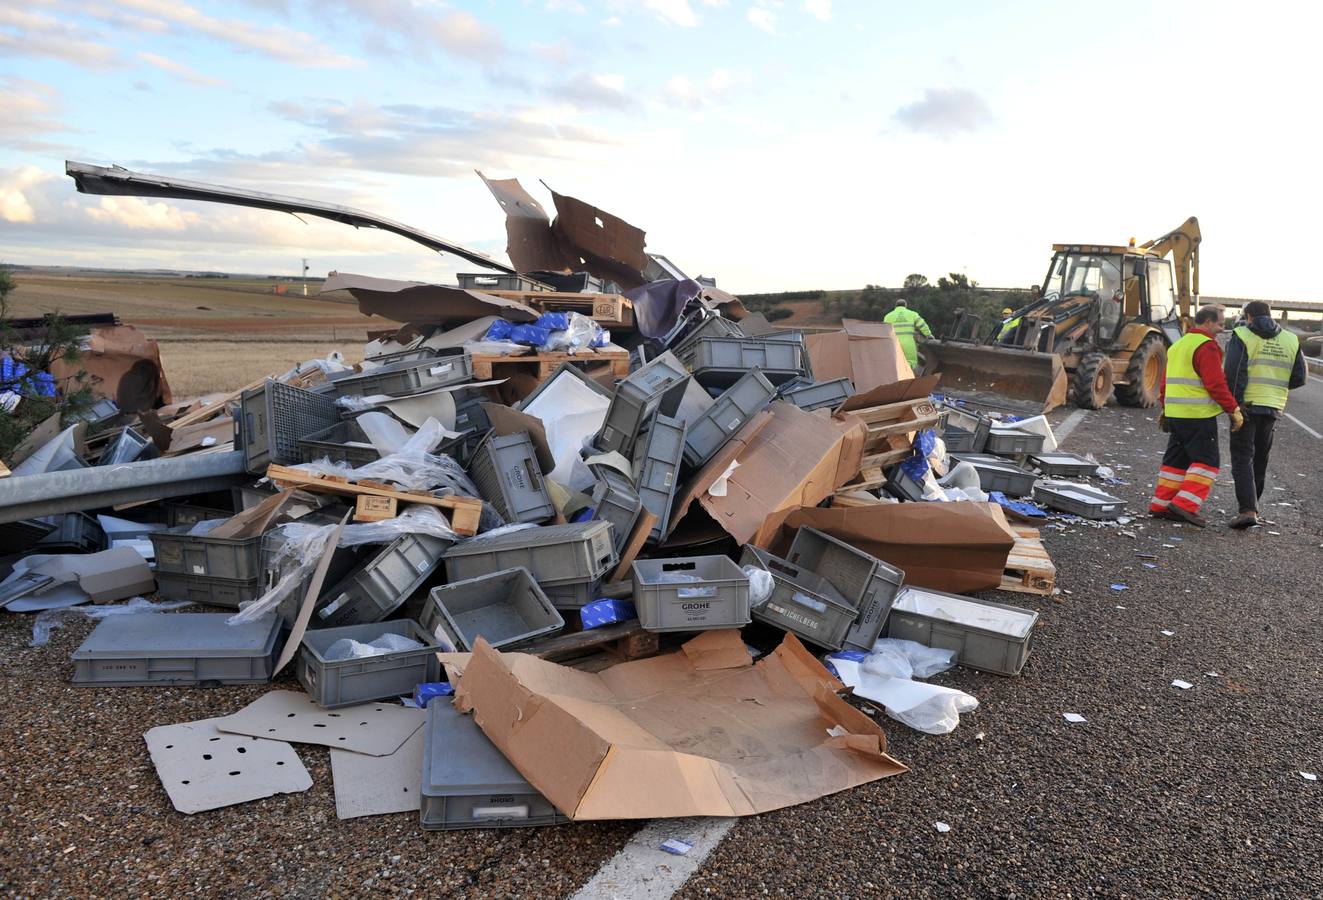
pixel 420 303
pixel 118 181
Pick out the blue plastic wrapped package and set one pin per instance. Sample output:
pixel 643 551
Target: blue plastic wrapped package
pixel 553 321
pixel 1023 507
pixel 499 331
pixel 607 612
pixel 584 515
pixel 916 467
pixel 926 442
pixel 426 691
pixel 530 335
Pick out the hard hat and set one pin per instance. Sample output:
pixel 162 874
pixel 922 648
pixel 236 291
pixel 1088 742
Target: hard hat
pixel 1007 311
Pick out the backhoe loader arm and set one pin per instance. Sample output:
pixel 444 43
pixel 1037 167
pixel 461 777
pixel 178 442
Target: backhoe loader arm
pixel 1183 245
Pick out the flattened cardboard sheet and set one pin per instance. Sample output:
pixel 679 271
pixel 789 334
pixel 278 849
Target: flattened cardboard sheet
pixel 202 767
pixel 378 785
pixel 377 729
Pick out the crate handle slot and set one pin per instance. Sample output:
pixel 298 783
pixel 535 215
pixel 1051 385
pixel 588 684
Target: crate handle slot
pixel 808 602
pixel 785 569
pixel 695 593
pixel 501 812
pixel 676 567
pixel 534 474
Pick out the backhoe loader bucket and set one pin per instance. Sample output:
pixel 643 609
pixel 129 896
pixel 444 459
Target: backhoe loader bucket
pixel 999 378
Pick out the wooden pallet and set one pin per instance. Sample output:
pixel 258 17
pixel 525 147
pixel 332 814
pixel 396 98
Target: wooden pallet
pixel 1029 570
pixel 597 648
pixel 464 511
pixel 487 366
pixel 608 310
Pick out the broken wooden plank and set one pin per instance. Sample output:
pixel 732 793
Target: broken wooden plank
pixel 626 640
pixel 464 511
pixel 211 409
pixel 642 528
pixel 1029 568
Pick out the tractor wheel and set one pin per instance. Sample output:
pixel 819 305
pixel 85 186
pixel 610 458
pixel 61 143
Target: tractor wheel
pixel 1092 384
pixel 1143 374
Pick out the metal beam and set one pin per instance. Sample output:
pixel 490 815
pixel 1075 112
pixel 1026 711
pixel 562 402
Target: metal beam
pixel 99 487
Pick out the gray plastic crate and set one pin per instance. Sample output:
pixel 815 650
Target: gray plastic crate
pixel 998 474
pixel 658 454
pixel 335 443
pixel 575 595
pixel 499 281
pixel 128 446
pixel 711 326
pixel 504 468
pixel 866 582
pixel 177 514
pixel 571 370
pixel 398 356
pixel 344 682
pixel 188 648
pixel 989 648
pixel 273 418
pixel 468 783
pixel 966 431
pixel 1013 442
pixel 555 555
pixel 821 394
pixel 718 597
pixel 504 608
pixel 179 552
pixel 802 602
pixel 741 402
pixel 901 486
pixel 638 396
pixel 410 377
pixel 723 361
pixel 23 534
pixel 74 532
pixel 1082 500
pixel 614 500
pixel 1063 465
pixel 380 585
pixel 469 414
pixel 226 593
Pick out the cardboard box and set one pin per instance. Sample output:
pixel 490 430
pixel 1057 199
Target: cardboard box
pixel 867 353
pixel 957 547
pixel 787 458
pixel 700 732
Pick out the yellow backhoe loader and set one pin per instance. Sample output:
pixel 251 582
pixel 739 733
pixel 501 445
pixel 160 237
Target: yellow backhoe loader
pixel 1101 322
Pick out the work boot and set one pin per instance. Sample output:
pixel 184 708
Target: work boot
pixel 1184 515
pixel 1164 513
pixel 1245 520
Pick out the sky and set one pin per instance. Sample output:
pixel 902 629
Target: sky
pixel 772 144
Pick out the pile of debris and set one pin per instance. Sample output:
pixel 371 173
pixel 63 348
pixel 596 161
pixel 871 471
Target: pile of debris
pixel 584 514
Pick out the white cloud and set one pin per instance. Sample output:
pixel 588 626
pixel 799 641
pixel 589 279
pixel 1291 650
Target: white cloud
pixel 818 9
pixel 762 18
pixel 27 33
pixel 697 94
pixel 14 205
pixel 945 112
pixel 571 6
pixel 611 22
pixel 27 110
pixel 604 90
pixel 138 214
pixel 677 12
pixel 187 73
pixel 273 41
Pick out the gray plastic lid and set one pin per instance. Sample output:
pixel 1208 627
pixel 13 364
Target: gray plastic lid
pixel 184 634
pixel 461 761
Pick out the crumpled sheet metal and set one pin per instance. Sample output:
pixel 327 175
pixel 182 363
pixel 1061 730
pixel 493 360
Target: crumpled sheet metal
pixel 575 241
pixel 419 303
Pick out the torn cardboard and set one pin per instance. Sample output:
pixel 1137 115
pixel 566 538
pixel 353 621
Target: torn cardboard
pixel 701 732
pixel 423 304
pixel 377 729
pixel 378 785
pixel 865 352
pixel 797 459
pixel 114 574
pixel 957 547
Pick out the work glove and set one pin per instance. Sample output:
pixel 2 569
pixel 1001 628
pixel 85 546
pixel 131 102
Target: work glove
pixel 1162 423
pixel 1237 419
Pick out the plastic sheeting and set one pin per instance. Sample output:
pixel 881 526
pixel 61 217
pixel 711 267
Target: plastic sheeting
pixel 348 648
pixel 572 413
pixel 929 708
pixel 52 619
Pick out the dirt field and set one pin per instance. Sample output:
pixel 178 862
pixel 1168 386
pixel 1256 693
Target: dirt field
pixel 214 335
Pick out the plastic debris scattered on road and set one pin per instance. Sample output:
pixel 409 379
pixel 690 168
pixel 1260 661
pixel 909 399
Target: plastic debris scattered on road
pixel 1120 587
pixel 942 827
pixel 1073 718
pixel 1309 776
pixel 1183 685
pixel 676 847
pixel 1166 633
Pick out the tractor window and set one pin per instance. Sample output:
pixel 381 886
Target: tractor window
pixel 1161 294
pixel 1056 276
pixel 1099 275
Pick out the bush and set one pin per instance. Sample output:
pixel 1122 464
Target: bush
pixel 778 313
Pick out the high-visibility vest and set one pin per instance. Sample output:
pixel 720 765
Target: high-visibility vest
pixel 1009 326
pixel 1270 363
pixel 905 322
pixel 1186 397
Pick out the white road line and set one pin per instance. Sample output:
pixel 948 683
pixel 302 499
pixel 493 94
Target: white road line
pixel 1303 425
pixel 1066 427
pixel 643 871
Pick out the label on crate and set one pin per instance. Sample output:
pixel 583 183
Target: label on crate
pixel 734 423
pixel 791 615
pixel 440 370
pixel 199 570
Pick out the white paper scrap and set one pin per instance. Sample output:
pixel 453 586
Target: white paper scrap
pixel 1073 718
pixel 1183 685
pixel 1309 776
pixel 1167 633
pixel 942 827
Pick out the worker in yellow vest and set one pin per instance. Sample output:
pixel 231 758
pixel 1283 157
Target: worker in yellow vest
pixel 1008 326
pixel 1263 362
pixel 907 324
pixel 1194 391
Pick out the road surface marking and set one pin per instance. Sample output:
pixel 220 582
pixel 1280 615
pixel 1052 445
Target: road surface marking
pixel 1068 426
pixel 1303 425
pixel 643 870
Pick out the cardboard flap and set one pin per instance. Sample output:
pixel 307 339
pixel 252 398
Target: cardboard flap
pixel 720 649
pixel 507 421
pixel 909 389
pixel 705 477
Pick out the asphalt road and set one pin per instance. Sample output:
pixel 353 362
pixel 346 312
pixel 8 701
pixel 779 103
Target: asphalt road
pixel 1160 793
